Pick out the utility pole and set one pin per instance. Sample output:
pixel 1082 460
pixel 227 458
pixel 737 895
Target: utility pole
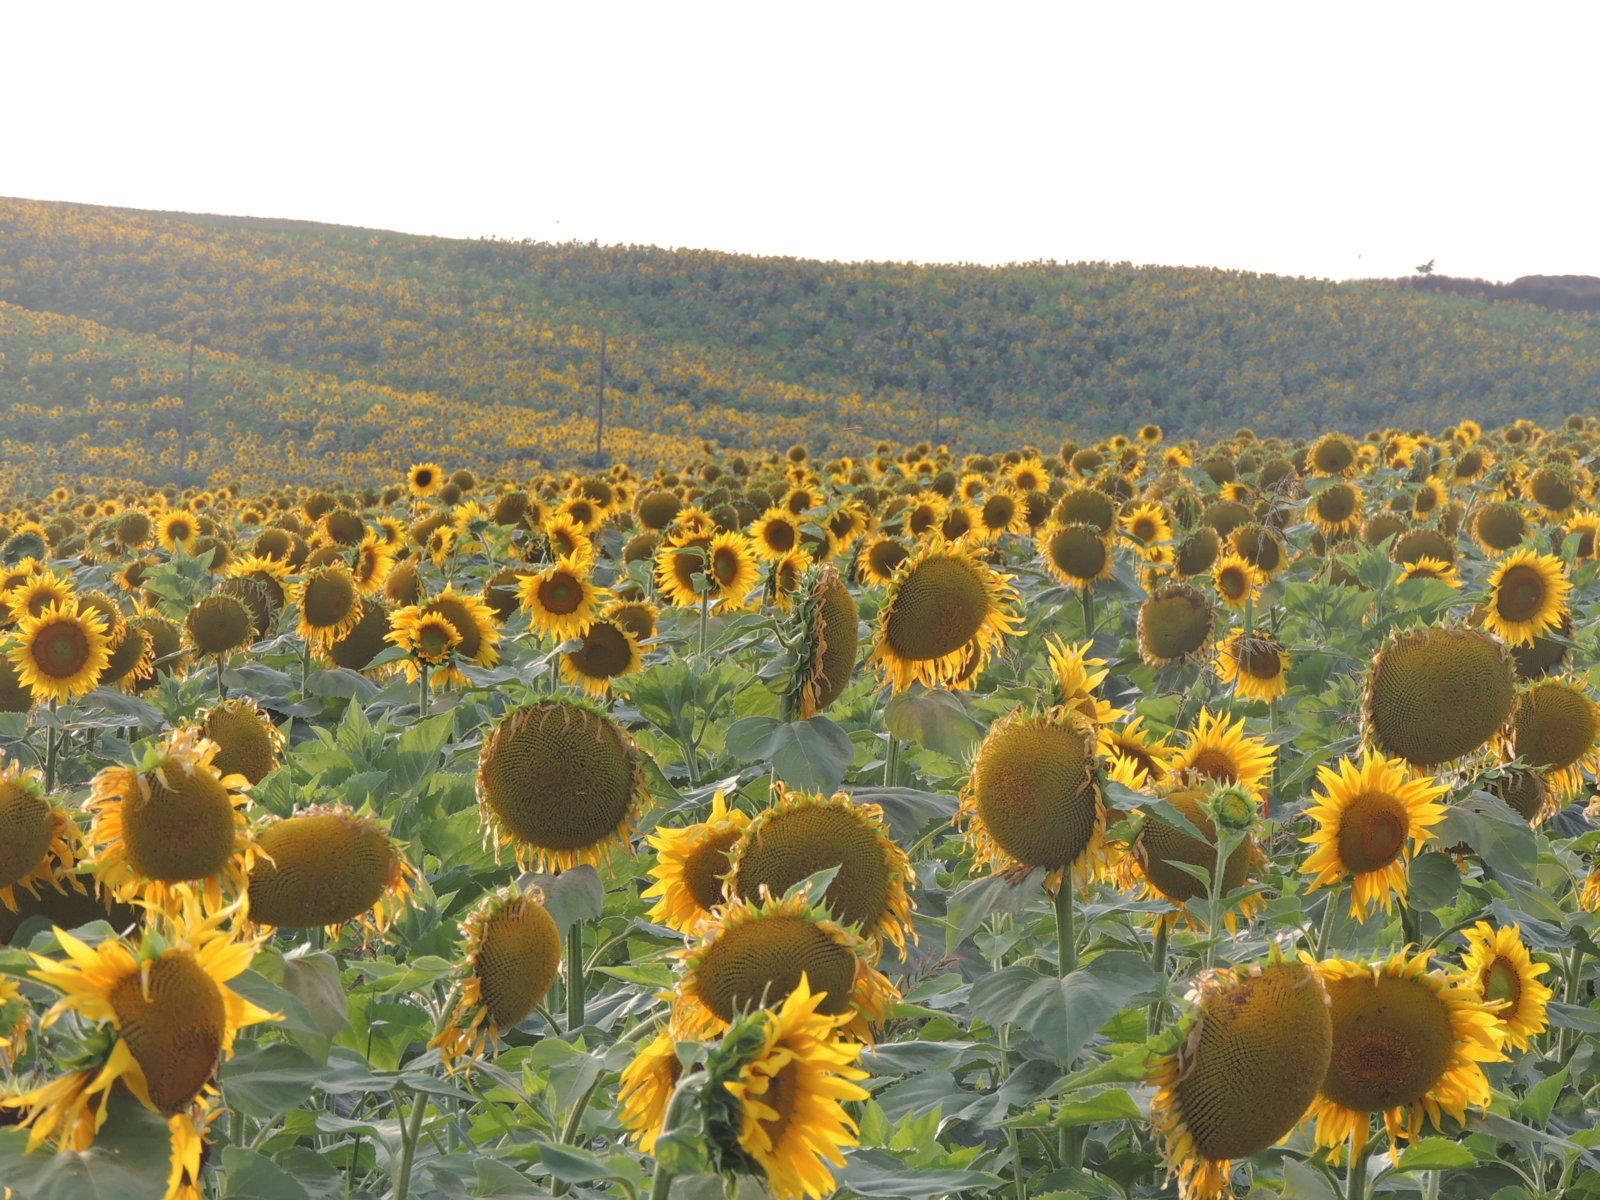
pixel 183 427
pixel 600 403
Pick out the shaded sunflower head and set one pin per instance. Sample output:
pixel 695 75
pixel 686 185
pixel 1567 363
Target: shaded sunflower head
pixel 825 643
pixel 513 953
pixel 329 604
pixel 1143 756
pixel 1371 818
pixel 39 842
pixel 559 783
pixel 802 834
pixel 1336 510
pixel 1407 1043
pixel 1497 965
pixel 248 743
pixel 1555 728
pixel 324 866
pixel 1033 798
pixel 1499 527
pixel 1174 625
pixel 171 827
pixel 1197 553
pixel 1256 667
pixel 1161 852
pixel 1077 676
pixel 1262 547
pixel 691 864
pixel 754 955
pixel 946 613
pixel 1527 596
pixel 1332 454
pixel 1258 1042
pixel 645 1089
pixel 1077 555
pixel 219 624
pixel 1431 568
pixel 1436 694
pixel 879 559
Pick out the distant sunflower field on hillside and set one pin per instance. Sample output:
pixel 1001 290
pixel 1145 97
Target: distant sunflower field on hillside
pixel 1137 817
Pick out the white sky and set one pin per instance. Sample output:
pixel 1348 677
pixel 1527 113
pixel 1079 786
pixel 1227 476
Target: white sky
pixel 1298 137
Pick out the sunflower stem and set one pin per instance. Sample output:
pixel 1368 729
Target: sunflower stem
pixel 574 977
pixel 1158 961
pixel 50 751
pixel 1066 929
pixel 1408 923
pixel 705 612
pixel 222 692
pixel 422 691
pixel 1326 931
pixel 1086 599
pixel 891 761
pixel 305 665
pixel 408 1146
pixel 1355 1179
pixel 1249 614
pixel 683 1098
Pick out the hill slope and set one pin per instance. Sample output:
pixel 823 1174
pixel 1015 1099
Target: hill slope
pixel 749 351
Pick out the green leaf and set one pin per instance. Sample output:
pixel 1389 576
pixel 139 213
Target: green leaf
pixel 253 1176
pixel 980 899
pixel 1536 1106
pixel 879 1175
pixel 907 811
pixel 1113 1104
pixel 128 1161
pixel 1300 1182
pixel 1435 1154
pixel 1065 1013
pixel 267 1080
pixel 1497 835
pixel 498 1179
pixel 312 977
pixel 570 1164
pixel 812 755
pixel 1433 881
pixel 937 720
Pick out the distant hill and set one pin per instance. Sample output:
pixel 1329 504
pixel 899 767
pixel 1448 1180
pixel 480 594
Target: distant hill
pixel 487 351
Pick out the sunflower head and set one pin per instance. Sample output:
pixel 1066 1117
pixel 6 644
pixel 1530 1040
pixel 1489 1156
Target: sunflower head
pixel 802 834
pixel 39 843
pixel 1076 554
pixel 1257 1044
pixel 1555 728
pixel 691 864
pixel 947 611
pixel 1499 527
pixel 825 620
pixel 1161 851
pixel 324 866
pixel 247 741
pixel 559 782
pixel 1527 596
pixel 1033 799
pixel 1197 553
pixel 561 601
pixel 1175 625
pixel 1436 694
pixel 1497 965
pixel 424 479
pixel 219 624
pixel 60 653
pixel 607 651
pixel 1255 666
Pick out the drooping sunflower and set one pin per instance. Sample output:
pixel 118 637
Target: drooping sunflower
pixel 1174 625
pixel 326 865
pixel 173 1021
pixel 1498 527
pixel 1555 728
pixel 512 956
pixel 328 602
pixel 825 643
pixel 691 864
pixel 1077 677
pixel 1161 851
pixel 801 834
pixel 1256 667
pixel 61 653
pixel 1499 967
pixel 1371 817
pixel 946 613
pixel 1262 547
pixel 1077 555
pixel 1407 1043
pixel 608 651
pixel 172 827
pixel 248 743
pixel 1258 1043
pixel 1223 753
pixel 753 955
pixel 373 559
pixel 39 842
pixel 558 782
pixel 1527 596
pixel 561 600
pixel 645 1089
pixel 1431 568
pixel 787 1091
pixel 1436 694
pixel 218 625
pixel 1148 757
pixel 1033 799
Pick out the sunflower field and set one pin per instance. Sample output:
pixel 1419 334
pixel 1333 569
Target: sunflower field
pixel 1135 818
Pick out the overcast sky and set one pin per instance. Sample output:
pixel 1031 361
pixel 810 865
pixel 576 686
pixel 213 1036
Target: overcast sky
pixel 1328 139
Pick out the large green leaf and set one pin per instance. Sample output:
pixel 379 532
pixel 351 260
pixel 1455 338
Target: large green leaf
pixel 936 720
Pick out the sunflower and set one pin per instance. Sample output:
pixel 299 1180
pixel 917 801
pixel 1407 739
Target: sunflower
pixel 427 637
pixel 1262 547
pixel 753 955
pixel 1148 757
pixel 558 782
pixel 424 479
pixel 173 1021
pixel 607 651
pixel 1222 753
pixel 946 613
pixel 1436 694
pixel 775 534
pixel 568 539
pixel 1246 1071
pixel 177 530
pixel 1033 799
pixel 879 558
pixel 329 604
pixel 373 560
pixel 1431 568
pixel 468 615
pixel 645 1089
pixel 1555 728
pixel 789 1094
pixel 248 743
pixel 1498 527
pixel 1147 524
pixel 1255 666
pixel 218 625
pixel 1160 854
pixel 171 827
pixel 61 653
pixel 1332 454
pixel 1174 625
pixel 38 592
pixel 512 956
pixel 1366 815
pixel 39 843
pixel 1527 596
pixel 561 601
pixel 1407 1043
pixel 326 865
pixel 999 513
pixel 1499 967
pixel 801 834
pixel 825 643
pixel 1077 676
pixel 1077 555
pixel 691 864
pixel 1554 489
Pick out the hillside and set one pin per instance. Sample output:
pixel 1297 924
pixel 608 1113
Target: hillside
pixel 487 350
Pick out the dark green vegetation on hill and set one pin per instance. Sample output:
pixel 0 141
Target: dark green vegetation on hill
pixel 746 351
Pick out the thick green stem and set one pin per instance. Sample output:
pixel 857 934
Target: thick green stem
pixel 683 1099
pixel 1066 929
pixel 50 736
pixel 1326 931
pixel 705 613
pixel 1355 1180
pixel 1158 961
pixel 422 690
pixel 305 666
pixel 1086 598
pixel 891 761
pixel 222 692
pixel 408 1146
pixel 574 977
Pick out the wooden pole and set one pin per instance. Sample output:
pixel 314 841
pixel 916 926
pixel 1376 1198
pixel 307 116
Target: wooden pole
pixel 183 429
pixel 600 404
